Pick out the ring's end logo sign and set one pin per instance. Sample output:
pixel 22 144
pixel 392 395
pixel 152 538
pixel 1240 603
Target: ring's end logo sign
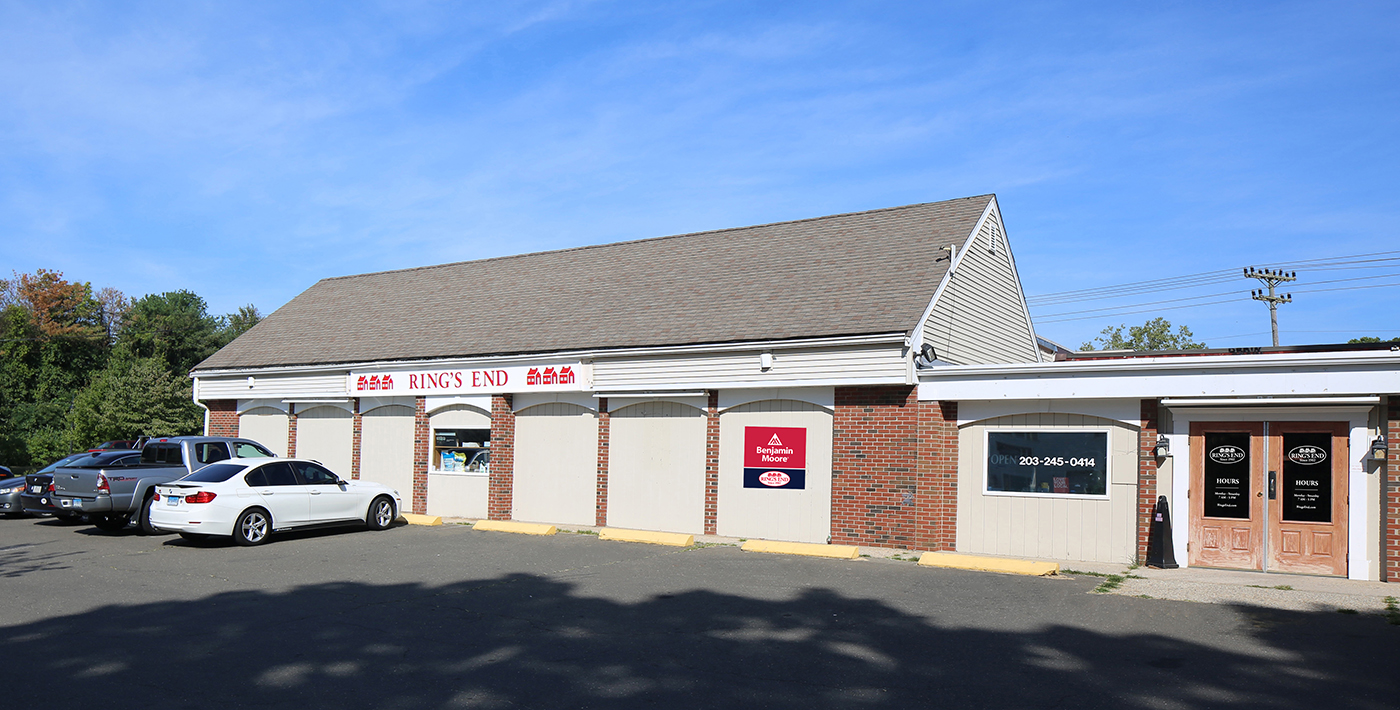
pixel 775 457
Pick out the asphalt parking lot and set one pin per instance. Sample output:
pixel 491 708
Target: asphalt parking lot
pixel 449 617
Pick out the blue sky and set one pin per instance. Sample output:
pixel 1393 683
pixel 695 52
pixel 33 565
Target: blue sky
pixel 246 150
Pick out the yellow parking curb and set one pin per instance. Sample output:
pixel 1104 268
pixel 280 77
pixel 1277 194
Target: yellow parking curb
pixel 987 564
pixel 416 519
pixel 511 526
pixel 649 536
pixel 840 552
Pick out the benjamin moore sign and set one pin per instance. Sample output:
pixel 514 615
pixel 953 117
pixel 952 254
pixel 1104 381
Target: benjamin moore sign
pixel 775 457
pixel 559 377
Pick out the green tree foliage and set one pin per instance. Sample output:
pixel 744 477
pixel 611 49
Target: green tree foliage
pixel 237 324
pixel 1371 339
pixel 174 326
pixel 1155 334
pixel 131 397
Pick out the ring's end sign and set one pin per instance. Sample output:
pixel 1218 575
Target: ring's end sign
pixel 775 457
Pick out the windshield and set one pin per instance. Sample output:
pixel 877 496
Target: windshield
pixel 105 459
pixel 66 460
pixel 215 473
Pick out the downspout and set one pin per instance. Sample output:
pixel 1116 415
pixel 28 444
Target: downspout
pixel 194 395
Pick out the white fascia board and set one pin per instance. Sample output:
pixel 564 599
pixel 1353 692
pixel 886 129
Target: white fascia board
pixel 767 384
pixel 583 355
pixel 1016 277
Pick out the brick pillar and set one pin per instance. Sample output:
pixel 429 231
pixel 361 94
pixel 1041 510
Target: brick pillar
pixel 874 476
pixel 711 462
pixel 357 428
pixel 502 485
pixel 291 431
pixel 1391 494
pixel 1147 476
pixel 223 417
pixel 937 502
pixel 422 449
pixel 600 502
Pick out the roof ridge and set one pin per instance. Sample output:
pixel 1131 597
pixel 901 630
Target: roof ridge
pixel 651 239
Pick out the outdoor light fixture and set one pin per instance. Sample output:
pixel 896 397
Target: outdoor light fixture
pixel 765 361
pixel 1378 449
pixel 1164 446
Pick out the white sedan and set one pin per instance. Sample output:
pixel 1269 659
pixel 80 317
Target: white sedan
pixel 250 499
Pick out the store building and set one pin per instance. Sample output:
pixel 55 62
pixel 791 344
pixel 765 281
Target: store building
pixel 869 378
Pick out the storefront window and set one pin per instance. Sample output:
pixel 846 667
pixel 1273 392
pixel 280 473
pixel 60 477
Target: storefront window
pixel 1051 463
pixel 462 450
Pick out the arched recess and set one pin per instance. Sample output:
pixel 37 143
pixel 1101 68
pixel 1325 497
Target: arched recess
pixel 386 447
pixel 325 433
pixel 796 515
pixel 556 464
pixel 267 426
pixel 656 467
pixel 456 494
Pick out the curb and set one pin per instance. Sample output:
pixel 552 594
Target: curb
pixel 840 552
pixel 953 560
pixel 416 519
pixel 647 536
pixel 510 526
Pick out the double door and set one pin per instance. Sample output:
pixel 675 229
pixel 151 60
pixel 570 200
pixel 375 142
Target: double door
pixel 1269 496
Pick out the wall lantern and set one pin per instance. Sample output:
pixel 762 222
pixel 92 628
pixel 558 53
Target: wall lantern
pixel 1164 446
pixel 1378 449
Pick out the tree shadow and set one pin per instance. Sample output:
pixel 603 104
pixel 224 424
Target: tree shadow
pixel 528 641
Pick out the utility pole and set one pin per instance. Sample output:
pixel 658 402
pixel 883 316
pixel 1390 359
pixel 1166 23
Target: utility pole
pixel 1271 278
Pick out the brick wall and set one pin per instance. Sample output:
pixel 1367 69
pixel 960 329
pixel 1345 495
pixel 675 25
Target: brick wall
pixel 600 503
pixel 1147 476
pixel 499 498
pixel 711 461
pixel 936 514
pixel 874 466
pixel 422 443
pixel 291 431
pixel 357 429
pixel 1391 494
pixel 223 417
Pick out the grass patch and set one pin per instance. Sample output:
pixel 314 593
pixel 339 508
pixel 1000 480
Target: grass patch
pixel 1280 587
pixel 1144 596
pixel 902 558
pixel 703 545
pixel 581 532
pixel 1082 573
pixel 1109 583
pixel 1392 610
pixel 1346 611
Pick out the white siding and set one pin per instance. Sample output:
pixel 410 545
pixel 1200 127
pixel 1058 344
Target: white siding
pixel 789 515
pixel 386 448
pixel 882 363
pixel 1048 528
pixel 980 317
pixel 656 467
pixel 556 465
pixel 457 496
pixel 267 426
pixel 273 386
pixel 325 434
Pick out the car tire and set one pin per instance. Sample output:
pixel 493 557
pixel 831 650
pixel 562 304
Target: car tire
pixel 110 523
pixel 252 528
pixel 381 513
pixel 143 520
pixel 194 537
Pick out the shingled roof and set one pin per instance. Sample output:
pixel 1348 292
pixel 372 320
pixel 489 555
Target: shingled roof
pixel 850 274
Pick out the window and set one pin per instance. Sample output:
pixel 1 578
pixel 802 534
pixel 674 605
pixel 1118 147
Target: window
pixel 209 452
pixel 313 475
pixel 217 473
pixel 273 474
pixel 249 450
pixel 161 453
pixel 461 450
pixel 1047 463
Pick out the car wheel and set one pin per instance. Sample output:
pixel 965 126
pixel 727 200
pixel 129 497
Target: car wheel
pixel 252 527
pixel 110 523
pixel 381 514
pixel 194 537
pixel 143 521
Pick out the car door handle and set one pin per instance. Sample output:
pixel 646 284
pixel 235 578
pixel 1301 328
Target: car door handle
pixel 315 493
pixel 267 493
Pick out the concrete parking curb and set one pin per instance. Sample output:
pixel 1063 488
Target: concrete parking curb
pixel 416 519
pixel 840 552
pixel 953 560
pixel 647 536
pixel 511 526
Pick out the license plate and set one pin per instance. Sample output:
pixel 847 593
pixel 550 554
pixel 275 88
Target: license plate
pixel 173 500
pixel 77 503
pixel 36 489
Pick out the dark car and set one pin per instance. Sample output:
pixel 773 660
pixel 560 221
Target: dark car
pixel 10 491
pixel 5 473
pixel 37 497
pixel 113 446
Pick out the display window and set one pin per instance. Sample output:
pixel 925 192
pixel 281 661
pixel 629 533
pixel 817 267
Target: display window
pixel 1058 463
pixel 462 451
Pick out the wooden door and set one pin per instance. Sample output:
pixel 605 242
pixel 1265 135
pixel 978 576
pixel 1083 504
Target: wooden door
pixel 1227 495
pixel 1308 506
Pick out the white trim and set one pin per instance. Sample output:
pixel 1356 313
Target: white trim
pixel 462 474
pixel 378 402
pixel 824 397
pixel 700 403
pixel 247 404
pixel 650 394
pixel 917 341
pixel 1107 461
pixel 1265 402
pixel 481 401
pixel 337 403
pixel 1016 277
pixel 1072 368
pixel 525 400
pixel 1125 411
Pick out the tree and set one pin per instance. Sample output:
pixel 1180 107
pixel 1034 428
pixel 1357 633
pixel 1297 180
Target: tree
pixel 1371 339
pixel 132 397
pixel 174 326
pixel 1155 334
pixel 236 324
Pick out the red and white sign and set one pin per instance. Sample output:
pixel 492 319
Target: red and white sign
pixel 567 377
pixel 775 447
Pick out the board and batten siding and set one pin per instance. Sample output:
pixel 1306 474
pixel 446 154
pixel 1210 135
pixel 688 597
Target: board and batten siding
pixel 267 426
pixel 656 467
pixel 386 448
pixel 980 318
pixel 874 363
pixel 273 386
pixel 556 464
pixel 325 434
pixel 1088 530
pixel 775 514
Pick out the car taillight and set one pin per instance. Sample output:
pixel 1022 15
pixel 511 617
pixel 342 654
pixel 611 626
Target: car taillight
pixel 156 496
pixel 200 497
pixel 51 487
pixel 102 484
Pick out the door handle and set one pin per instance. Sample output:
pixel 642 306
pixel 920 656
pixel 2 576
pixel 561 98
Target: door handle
pixel 1273 489
pixel 315 493
pixel 267 493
